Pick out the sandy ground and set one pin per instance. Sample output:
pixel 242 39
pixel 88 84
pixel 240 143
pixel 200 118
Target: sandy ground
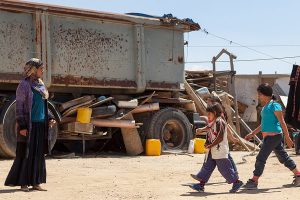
pixel 164 177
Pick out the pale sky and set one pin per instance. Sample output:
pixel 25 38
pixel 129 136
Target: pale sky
pixel 269 26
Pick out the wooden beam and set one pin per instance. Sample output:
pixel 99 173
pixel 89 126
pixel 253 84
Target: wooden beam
pixel 147 108
pixel 239 138
pixel 132 140
pixel 200 106
pixel 245 125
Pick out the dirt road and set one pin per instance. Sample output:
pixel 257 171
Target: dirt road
pixel 164 177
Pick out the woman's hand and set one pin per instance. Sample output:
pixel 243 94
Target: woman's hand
pixel 289 141
pixel 24 132
pixel 207 146
pixel 52 122
pixel 249 136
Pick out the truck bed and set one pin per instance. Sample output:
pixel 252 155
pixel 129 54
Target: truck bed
pixel 84 49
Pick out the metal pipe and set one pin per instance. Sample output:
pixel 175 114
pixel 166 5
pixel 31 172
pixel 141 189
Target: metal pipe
pixel 147 108
pixel 113 123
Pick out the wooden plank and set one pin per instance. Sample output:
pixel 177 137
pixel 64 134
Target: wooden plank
pixel 147 108
pixel 190 107
pixel 67 136
pixel 239 138
pixel 73 110
pixel 141 104
pixel 78 127
pixel 197 100
pixel 75 102
pixel 227 105
pixel 200 79
pixel 89 104
pixel 164 94
pixel 245 125
pixel 132 140
pixel 171 100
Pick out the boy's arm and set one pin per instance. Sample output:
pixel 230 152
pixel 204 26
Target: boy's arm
pixel 253 133
pixel 287 137
pixel 200 130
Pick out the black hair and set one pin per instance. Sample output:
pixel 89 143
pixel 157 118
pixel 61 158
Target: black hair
pixel 266 90
pixel 215 99
pixel 215 108
pixel 34 62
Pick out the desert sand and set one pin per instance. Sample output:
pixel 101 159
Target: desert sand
pixel 166 177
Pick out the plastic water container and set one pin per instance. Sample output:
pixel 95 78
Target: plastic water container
pixel 203 92
pixel 199 145
pixel 84 115
pixel 153 147
pixel 191 147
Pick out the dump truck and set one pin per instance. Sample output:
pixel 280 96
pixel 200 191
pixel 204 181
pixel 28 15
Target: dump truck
pixel 88 52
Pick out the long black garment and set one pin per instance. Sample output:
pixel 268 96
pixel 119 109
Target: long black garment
pixel 31 170
pixel 292 113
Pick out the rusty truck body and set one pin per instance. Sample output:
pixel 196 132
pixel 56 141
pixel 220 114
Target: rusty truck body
pixel 87 52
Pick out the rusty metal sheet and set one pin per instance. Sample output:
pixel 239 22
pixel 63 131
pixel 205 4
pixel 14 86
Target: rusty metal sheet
pixel 164 57
pixel 92 49
pixel 91 82
pixel 162 86
pixel 81 52
pixel 10 78
pixel 17 37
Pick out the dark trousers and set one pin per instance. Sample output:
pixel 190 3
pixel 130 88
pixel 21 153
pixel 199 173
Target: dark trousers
pixel 276 144
pixel 224 166
pixel 232 163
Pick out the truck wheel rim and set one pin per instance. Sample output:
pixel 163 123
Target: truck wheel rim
pixel 172 134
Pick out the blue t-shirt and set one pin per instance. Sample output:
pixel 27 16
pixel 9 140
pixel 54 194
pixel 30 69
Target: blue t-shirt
pixel 38 107
pixel 269 121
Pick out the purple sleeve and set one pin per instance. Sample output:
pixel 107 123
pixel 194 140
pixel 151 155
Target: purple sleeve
pixel 20 104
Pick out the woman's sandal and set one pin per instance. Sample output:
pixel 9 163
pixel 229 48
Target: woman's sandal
pixel 38 188
pixel 25 188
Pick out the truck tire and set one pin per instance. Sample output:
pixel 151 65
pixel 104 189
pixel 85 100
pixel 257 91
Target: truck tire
pixel 8 136
pixel 8 130
pixel 171 127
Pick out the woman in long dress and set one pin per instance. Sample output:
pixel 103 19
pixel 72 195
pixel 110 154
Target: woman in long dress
pixel 33 120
